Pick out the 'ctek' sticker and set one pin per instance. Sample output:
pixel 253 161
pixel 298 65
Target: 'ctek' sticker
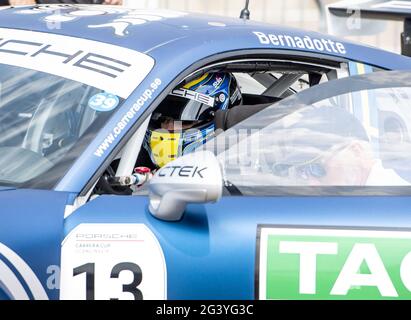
pixel 103 102
pixel 112 262
pixel 308 263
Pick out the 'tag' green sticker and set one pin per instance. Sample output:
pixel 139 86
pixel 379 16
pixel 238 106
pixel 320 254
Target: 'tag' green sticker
pixel 334 264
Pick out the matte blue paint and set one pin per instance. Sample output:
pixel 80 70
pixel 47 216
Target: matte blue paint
pixel 31 224
pixel 5 189
pixel 189 31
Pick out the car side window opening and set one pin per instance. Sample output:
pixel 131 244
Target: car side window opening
pixel 350 140
pixel 261 83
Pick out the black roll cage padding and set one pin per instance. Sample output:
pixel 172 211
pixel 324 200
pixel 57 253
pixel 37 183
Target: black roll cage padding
pixel 255 99
pixel 314 79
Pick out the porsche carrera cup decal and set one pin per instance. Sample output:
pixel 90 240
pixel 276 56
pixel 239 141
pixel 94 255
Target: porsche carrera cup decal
pixel 112 262
pixel 15 275
pixel 108 67
pixel 333 263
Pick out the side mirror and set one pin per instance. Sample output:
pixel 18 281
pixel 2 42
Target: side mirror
pixel 194 178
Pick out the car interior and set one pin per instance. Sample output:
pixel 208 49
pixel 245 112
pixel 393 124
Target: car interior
pixel 263 82
pixel 266 82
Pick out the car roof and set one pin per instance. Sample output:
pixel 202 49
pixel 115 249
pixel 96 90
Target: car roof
pixel 164 33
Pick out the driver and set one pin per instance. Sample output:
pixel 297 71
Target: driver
pixel 180 124
pixel 185 119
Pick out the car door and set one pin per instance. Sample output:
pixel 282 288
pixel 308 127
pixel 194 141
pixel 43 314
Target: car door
pixel 284 228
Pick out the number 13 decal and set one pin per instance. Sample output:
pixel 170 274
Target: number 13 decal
pixel 89 270
pixel 112 261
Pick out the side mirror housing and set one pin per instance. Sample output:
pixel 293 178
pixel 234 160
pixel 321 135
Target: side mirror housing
pixel 194 178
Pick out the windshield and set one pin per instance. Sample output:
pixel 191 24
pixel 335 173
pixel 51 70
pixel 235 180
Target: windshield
pixel 45 121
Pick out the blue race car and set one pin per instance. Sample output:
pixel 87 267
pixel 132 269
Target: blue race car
pixel 296 187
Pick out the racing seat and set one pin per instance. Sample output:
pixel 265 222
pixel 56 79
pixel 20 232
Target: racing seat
pixel 226 119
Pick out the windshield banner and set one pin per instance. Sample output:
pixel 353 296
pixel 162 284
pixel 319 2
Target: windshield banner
pixel 104 66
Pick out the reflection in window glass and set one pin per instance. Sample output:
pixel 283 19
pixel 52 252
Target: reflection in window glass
pixel 356 139
pixel 42 119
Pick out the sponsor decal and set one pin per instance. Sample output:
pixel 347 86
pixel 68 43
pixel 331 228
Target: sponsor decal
pixel 127 118
pixel 103 102
pixel 12 266
pixel 218 82
pixel 182 171
pixel 112 262
pixel 305 43
pixel 310 263
pixel 126 18
pixel 111 68
pixel 122 24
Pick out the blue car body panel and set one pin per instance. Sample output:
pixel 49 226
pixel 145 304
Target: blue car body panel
pixel 31 224
pixel 188 32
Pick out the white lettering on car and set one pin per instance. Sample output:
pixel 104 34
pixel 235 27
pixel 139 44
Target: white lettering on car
pixel 296 42
pixel 127 118
pixel 108 67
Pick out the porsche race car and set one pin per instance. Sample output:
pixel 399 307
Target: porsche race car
pixel 253 214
